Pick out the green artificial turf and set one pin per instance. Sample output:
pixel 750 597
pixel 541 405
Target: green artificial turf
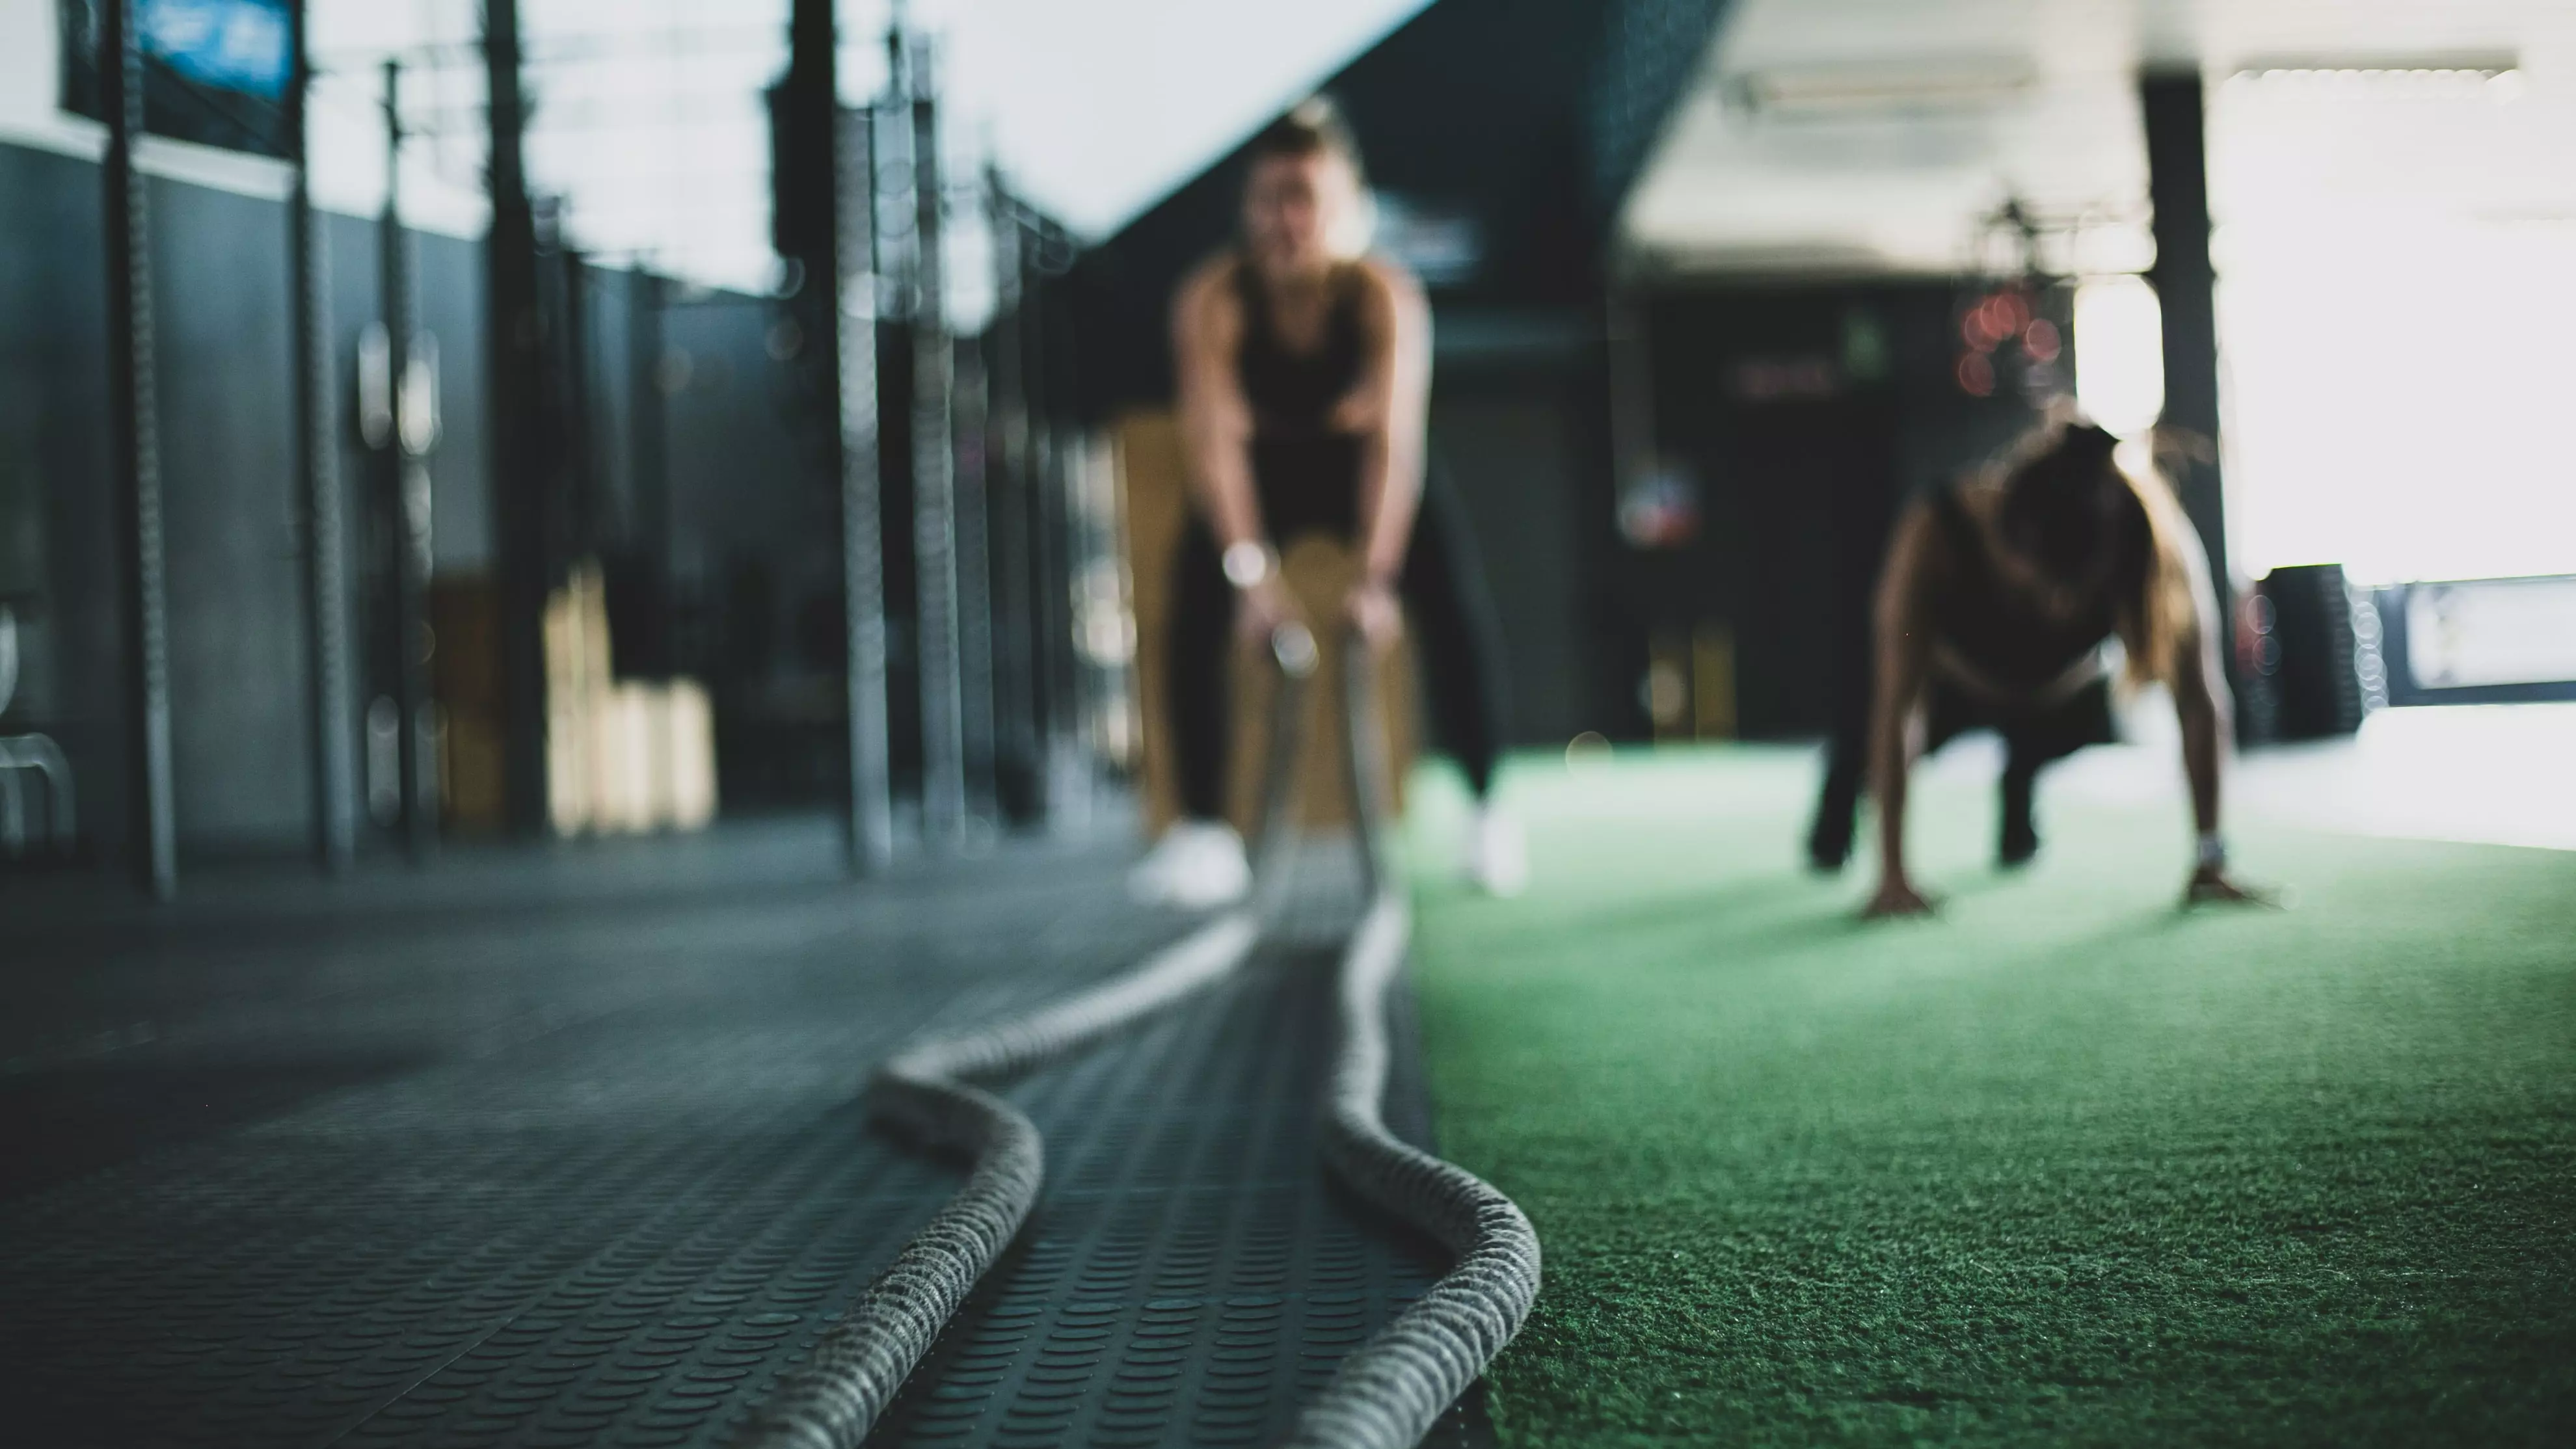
pixel 2062 1166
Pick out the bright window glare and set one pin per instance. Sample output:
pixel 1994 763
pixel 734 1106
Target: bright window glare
pixel 2119 354
pixel 2416 436
pixel 2397 268
pixel 648 118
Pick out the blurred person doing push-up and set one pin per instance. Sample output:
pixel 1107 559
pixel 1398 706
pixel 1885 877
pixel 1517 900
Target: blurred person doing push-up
pixel 1305 375
pixel 1998 596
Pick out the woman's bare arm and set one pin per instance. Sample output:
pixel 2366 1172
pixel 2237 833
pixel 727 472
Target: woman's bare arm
pixel 1216 421
pixel 1389 409
pixel 1216 436
pixel 2202 706
pixel 1904 651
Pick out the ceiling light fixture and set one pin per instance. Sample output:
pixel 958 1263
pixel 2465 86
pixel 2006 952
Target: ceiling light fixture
pixel 1967 84
pixel 2496 77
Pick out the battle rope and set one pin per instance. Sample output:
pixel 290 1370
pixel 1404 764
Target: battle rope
pixel 1390 1393
pixel 855 1369
pixel 1387 1394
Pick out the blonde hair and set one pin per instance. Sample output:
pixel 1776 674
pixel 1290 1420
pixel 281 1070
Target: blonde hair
pixel 2158 625
pixel 1315 127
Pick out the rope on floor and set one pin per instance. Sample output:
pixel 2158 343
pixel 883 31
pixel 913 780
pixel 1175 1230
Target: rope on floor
pixel 1390 1393
pixel 855 1369
pixel 835 1396
pixel 1385 1396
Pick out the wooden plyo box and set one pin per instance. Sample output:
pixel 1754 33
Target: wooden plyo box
pixel 1320 570
pixel 622 756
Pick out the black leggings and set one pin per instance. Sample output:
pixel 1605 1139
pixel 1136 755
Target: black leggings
pixel 2034 738
pixel 1446 606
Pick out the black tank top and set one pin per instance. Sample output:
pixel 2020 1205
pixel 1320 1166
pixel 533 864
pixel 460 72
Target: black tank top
pixel 1293 393
pixel 1998 632
pixel 1306 473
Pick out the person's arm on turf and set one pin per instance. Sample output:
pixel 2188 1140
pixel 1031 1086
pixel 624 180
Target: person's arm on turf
pixel 1904 659
pixel 1216 435
pixel 2202 708
pixel 1388 409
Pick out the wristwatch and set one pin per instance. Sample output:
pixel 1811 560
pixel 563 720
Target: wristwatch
pixel 1248 563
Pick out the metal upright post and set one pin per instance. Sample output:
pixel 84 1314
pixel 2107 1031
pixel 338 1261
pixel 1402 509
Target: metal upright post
pixel 943 785
pixel 1060 670
pixel 2178 186
pixel 825 195
pixel 647 443
pixel 133 412
pixel 871 800
pixel 1018 758
pixel 335 807
pixel 971 407
pixel 403 493
pixel 513 333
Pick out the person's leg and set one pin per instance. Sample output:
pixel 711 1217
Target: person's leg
pixel 1460 645
pixel 2034 742
pixel 1194 673
pixel 1459 640
pixel 1200 861
pixel 1829 839
pixel 2020 828
pixel 1863 516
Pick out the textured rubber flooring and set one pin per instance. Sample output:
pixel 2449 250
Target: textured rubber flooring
pixel 565 1150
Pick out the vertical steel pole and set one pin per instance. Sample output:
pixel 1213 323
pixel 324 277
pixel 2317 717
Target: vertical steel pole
pixel 647 446
pixel 825 221
pixel 513 332
pixel 403 493
pixel 971 406
pixel 2170 105
pixel 943 748
pixel 871 800
pixel 133 412
pixel 1050 584
pixel 1060 656
pixel 1016 748
pixel 335 808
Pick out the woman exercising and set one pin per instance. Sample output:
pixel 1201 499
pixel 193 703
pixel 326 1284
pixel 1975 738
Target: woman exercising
pixel 1305 375
pixel 1998 596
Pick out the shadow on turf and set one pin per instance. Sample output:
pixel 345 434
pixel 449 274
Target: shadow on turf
pixel 1662 908
pixel 1716 912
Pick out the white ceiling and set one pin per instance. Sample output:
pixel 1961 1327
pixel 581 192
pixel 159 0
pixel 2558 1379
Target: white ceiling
pixel 1893 128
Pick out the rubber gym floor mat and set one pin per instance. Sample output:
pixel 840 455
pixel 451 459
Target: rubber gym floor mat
pixel 589 1168
pixel 1189 1273
pixel 2063 1165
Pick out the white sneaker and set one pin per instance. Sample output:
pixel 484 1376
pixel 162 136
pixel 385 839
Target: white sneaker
pixel 1497 853
pixel 1197 864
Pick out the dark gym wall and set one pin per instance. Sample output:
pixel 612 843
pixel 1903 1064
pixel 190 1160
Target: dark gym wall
pixel 236 626
pixel 54 467
pixel 756 555
pixel 241 736
pixel 1798 492
pixel 1510 439
pixel 241 724
pixel 228 476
